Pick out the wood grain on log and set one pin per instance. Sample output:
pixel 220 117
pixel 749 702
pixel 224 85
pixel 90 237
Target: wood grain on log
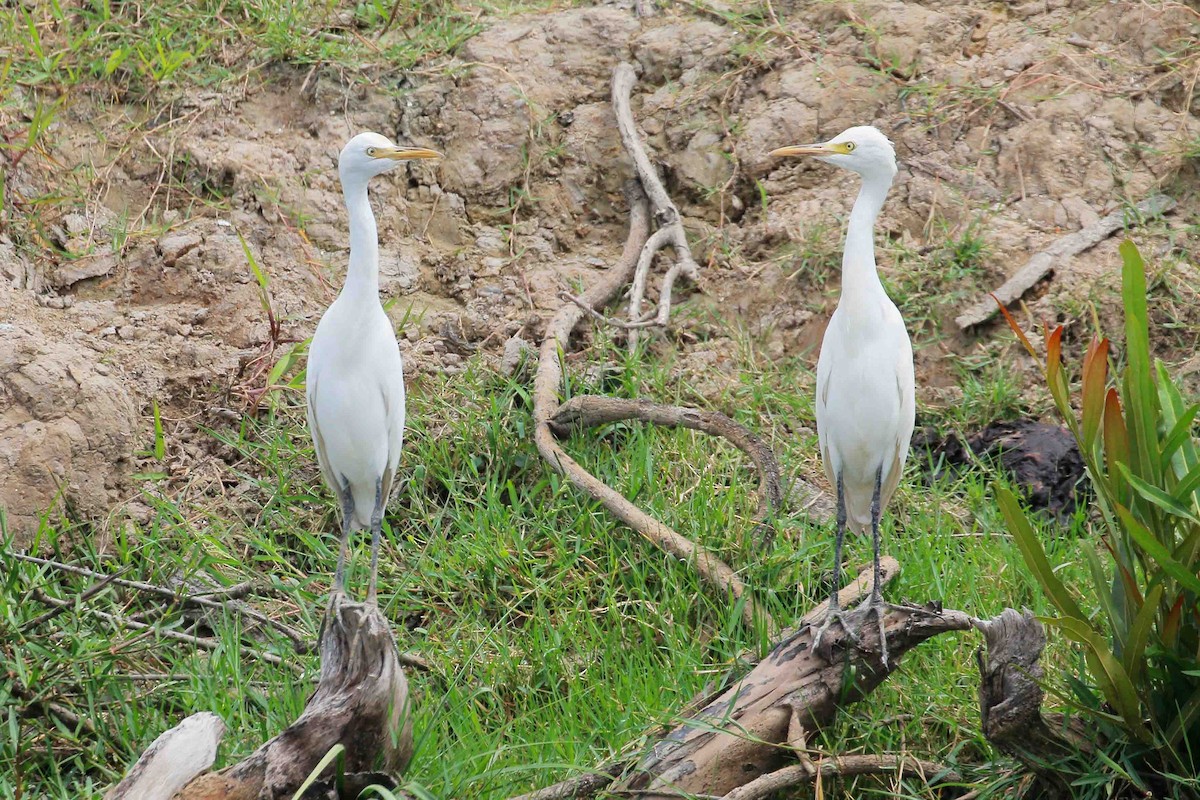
pixel 171 760
pixel 744 733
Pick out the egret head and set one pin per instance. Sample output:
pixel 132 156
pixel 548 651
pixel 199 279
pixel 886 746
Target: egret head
pixel 862 149
pixel 370 154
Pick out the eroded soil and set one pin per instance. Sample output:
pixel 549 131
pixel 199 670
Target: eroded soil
pixel 1015 123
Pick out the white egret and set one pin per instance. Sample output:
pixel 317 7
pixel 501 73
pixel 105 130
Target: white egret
pixel 355 377
pixel 865 386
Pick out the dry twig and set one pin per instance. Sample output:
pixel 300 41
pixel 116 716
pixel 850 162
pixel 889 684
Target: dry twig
pixel 839 766
pixel 199 600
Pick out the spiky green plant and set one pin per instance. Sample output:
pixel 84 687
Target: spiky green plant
pixel 1142 680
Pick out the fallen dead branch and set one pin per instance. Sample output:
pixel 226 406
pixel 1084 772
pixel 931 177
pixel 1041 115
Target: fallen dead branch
pixel 840 767
pixel 1044 262
pixel 197 600
pixel 361 702
pixel 549 416
pixel 119 621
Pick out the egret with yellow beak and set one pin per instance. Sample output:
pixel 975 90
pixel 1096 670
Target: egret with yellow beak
pixel 865 386
pixel 355 379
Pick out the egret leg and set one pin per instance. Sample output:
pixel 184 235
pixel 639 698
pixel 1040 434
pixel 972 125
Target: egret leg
pixel 874 603
pixel 835 614
pixel 376 532
pixel 347 500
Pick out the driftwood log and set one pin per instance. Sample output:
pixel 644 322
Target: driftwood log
pixel 361 702
pixel 736 740
pixel 1010 699
pixel 748 740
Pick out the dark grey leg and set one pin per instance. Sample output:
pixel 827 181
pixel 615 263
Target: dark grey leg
pixel 376 532
pixel 876 601
pixel 834 614
pixel 347 500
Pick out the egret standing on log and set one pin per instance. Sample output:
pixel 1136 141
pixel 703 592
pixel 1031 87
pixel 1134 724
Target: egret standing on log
pixel 865 387
pixel 355 377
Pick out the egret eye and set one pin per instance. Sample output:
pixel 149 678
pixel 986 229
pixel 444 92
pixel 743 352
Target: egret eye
pixel 371 151
pixel 849 147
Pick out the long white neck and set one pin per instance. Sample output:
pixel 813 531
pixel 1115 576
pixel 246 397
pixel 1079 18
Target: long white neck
pixel 362 278
pixel 860 279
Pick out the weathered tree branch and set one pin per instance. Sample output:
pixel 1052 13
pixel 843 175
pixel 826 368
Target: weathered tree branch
pixel 753 727
pixel 666 215
pixel 839 766
pixel 197 600
pixel 550 372
pixel 587 411
pixel 1044 261
pixel 361 702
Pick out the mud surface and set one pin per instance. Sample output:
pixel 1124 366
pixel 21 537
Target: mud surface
pixel 1018 121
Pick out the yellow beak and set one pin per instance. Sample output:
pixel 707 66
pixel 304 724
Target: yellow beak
pixel 812 150
pixel 406 153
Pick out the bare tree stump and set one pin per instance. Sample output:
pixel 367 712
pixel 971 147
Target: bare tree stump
pixel 361 702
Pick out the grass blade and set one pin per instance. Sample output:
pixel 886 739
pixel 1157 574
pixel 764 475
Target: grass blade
pixel 1114 680
pixel 1035 555
pixel 334 754
pixel 1156 551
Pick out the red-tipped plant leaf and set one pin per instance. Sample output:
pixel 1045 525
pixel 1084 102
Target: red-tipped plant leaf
pixel 1012 323
pixel 1116 444
pixel 1095 376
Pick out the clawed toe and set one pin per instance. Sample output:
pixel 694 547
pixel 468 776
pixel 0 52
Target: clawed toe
pixel 842 619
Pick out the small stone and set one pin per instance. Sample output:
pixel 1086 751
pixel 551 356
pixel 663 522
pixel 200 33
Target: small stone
pixel 516 350
pixel 176 246
pixel 102 368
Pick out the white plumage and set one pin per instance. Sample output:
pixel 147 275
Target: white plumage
pixel 865 385
pixel 355 379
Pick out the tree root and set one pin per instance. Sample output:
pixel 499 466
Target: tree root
pixel 670 222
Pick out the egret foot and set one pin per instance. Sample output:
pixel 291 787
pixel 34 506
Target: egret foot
pixel 875 604
pixel 842 618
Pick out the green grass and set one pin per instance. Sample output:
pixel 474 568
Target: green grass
pixel 558 637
